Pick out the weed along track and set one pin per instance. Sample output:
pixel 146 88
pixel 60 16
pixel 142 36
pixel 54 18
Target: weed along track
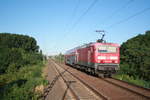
pixel 108 88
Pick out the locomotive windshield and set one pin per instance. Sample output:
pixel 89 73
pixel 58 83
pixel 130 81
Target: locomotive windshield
pixel 107 49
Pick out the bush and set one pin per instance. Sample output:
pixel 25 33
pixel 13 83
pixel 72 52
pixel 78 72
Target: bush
pixel 23 83
pixel 32 58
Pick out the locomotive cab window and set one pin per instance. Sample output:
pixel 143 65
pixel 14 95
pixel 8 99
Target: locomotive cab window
pixel 107 49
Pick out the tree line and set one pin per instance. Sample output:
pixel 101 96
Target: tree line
pixel 21 64
pixel 135 56
pixel 17 51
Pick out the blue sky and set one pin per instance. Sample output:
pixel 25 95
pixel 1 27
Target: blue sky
pixel 52 22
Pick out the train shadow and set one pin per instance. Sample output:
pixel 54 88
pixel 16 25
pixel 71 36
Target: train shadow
pixel 68 87
pixel 51 84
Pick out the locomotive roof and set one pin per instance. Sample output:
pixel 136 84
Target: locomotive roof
pixel 89 44
pixel 96 43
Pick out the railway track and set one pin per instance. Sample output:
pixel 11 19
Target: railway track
pixel 137 86
pixel 76 93
pixel 68 85
pixel 145 92
pixel 53 83
pixel 132 89
pixel 111 88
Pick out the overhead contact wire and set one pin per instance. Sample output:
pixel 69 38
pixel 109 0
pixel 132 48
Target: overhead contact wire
pixel 74 12
pixel 116 11
pixel 84 13
pixel 130 17
pixel 81 17
pixel 72 16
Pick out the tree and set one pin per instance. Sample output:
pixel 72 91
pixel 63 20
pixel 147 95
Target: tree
pixel 17 51
pixel 135 56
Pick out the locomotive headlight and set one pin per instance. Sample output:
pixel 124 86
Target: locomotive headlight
pixel 101 57
pixel 113 57
pixel 116 61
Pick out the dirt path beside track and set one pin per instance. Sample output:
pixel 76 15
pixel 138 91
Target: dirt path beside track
pixel 56 89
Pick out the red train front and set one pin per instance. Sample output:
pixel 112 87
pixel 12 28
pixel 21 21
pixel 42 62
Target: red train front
pixel 97 58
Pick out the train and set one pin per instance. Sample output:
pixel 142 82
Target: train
pixel 97 58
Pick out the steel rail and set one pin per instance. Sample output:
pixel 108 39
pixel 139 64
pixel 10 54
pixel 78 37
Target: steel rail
pixel 73 93
pixel 147 89
pixel 88 86
pixel 133 85
pixel 110 82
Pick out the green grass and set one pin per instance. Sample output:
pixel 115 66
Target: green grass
pixel 20 85
pixel 132 80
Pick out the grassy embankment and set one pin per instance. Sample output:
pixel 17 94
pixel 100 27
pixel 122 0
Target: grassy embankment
pixel 21 65
pixel 25 84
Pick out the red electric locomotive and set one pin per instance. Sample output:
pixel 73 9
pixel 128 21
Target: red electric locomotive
pixel 97 58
